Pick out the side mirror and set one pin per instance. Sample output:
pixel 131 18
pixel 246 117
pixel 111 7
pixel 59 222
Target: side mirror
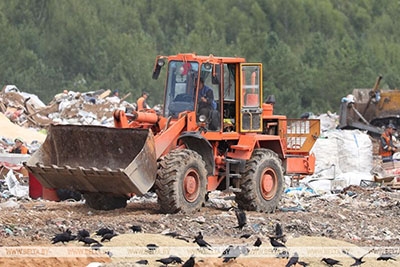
pixel 157 68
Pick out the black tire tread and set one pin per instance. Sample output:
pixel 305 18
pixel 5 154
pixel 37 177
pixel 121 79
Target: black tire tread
pixel 171 169
pixel 249 197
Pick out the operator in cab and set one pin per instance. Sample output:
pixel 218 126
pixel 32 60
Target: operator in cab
pixel 207 105
pixel 387 148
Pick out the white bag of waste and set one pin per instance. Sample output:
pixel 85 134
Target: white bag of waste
pixel 14 186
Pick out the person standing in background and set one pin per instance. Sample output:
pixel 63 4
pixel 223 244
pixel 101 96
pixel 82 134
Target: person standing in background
pixel 141 102
pixel 19 147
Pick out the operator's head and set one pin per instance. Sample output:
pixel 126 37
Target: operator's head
pixel 18 141
pixel 201 84
pixel 145 94
pixel 390 127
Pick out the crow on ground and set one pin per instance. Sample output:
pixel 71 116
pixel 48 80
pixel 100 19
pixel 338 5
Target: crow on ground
pixel 278 230
pixel 88 240
pixel 63 237
pixel 172 234
pixel 176 259
pixel 143 262
pixel 177 236
pixel 166 261
pixel 108 237
pixel 202 243
pixel 245 236
pixel 331 262
pixel 357 261
pixel 276 244
pixel 199 235
pixel 302 263
pixel 83 233
pixel 241 218
pixel 386 257
pixel 293 260
pixel 103 231
pixel 136 228
pixel 183 238
pixel 258 242
pixel 190 262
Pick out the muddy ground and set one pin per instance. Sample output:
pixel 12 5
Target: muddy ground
pixel 358 220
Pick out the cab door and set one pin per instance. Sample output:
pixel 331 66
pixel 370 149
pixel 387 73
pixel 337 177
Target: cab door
pixel 250 97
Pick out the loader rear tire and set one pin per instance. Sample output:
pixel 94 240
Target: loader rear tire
pixel 99 201
pixel 181 181
pixel 261 183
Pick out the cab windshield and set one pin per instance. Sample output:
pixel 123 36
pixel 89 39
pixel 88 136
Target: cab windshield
pixel 180 94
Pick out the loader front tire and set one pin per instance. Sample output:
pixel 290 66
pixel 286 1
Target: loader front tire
pixel 99 201
pixel 181 181
pixel 261 183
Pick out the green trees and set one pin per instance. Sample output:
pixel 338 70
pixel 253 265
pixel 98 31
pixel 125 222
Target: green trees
pixel 314 51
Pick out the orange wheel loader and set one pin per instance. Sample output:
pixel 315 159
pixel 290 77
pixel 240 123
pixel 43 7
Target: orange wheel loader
pixel 179 153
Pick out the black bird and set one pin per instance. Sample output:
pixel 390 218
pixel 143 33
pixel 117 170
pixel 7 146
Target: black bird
pixel 279 235
pixel 143 262
pixel 166 261
pixel 190 262
pixel 245 236
pixel 176 259
pixel 88 240
pixel 385 257
pixel 103 231
pixel 183 238
pixel 241 218
pixel 172 234
pixel 258 242
pixel 108 237
pixel 63 237
pixel 357 261
pixel 83 233
pixel 302 263
pixel 199 236
pixel 278 230
pixel 151 247
pixel 136 228
pixel 331 262
pixel 276 244
pixel 293 260
pixel 202 243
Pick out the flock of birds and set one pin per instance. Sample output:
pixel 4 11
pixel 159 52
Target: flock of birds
pixel 232 252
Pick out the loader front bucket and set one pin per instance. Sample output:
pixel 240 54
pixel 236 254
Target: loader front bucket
pixel 96 159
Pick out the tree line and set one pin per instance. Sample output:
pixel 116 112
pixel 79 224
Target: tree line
pixel 314 52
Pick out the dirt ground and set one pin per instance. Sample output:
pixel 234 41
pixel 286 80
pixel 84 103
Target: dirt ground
pixel 357 225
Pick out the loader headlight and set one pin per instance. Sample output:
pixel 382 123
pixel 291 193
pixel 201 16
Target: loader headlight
pixel 207 66
pixel 160 62
pixel 202 118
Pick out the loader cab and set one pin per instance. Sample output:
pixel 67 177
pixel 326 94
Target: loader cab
pixel 179 95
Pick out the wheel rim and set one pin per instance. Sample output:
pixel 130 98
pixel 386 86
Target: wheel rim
pixel 191 184
pixel 269 183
